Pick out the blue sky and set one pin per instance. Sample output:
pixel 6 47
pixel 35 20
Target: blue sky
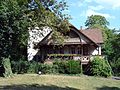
pixel 80 9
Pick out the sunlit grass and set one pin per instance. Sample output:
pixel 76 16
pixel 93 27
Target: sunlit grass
pixel 58 82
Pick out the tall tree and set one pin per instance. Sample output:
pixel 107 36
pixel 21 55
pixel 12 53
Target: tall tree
pixel 49 13
pixel 15 18
pixel 13 32
pixel 111 40
pixel 115 56
pixel 94 20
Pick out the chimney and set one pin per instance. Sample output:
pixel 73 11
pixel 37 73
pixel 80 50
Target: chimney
pixel 80 27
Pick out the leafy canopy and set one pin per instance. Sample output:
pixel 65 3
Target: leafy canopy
pixel 111 44
pixel 16 16
pixel 49 13
pixel 94 20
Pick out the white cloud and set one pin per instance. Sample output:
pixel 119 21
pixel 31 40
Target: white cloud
pixel 90 12
pixel 96 8
pixel 77 4
pixel 88 0
pixel 72 4
pixel 107 3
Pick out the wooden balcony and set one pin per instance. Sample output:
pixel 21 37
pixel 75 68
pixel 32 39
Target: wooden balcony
pixel 83 59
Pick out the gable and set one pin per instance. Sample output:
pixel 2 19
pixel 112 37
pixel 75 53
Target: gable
pixel 75 36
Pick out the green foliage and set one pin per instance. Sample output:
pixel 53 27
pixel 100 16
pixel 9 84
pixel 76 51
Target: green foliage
pixel 61 66
pixel 68 67
pixel 13 26
pixel 23 66
pixel 115 64
pixel 48 68
pixel 116 46
pixel 20 66
pixel 115 56
pixel 62 55
pixel 100 67
pixel 111 49
pixel 7 67
pixel 111 44
pixel 64 67
pixel 73 67
pixel 15 18
pixel 94 20
pixel 33 67
pixel 49 13
pixel 13 29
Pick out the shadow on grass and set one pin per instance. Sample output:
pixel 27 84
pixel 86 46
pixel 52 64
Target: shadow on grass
pixel 35 87
pixel 108 88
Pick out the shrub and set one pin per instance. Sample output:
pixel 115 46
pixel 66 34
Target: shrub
pixel 20 66
pixel 116 67
pixel 45 68
pixel 7 67
pixel 68 67
pixel 73 67
pixel 33 67
pixel 48 68
pixel 64 67
pixel 61 66
pixel 23 66
pixel 100 67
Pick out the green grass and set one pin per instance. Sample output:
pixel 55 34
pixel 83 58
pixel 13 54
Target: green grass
pixel 58 82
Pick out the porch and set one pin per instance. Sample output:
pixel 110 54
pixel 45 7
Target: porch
pixel 82 52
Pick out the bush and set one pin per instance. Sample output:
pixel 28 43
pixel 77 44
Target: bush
pixel 64 67
pixel 23 66
pixel 68 67
pixel 45 68
pixel 33 67
pixel 7 67
pixel 61 66
pixel 73 67
pixel 116 67
pixel 100 67
pixel 20 66
pixel 48 68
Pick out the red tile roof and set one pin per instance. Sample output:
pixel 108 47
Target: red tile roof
pixel 93 34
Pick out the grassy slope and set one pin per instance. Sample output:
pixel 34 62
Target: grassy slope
pixel 58 82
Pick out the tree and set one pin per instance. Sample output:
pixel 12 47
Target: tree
pixel 49 13
pixel 115 56
pixel 111 40
pixel 15 18
pixel 94 20
pixel 13 32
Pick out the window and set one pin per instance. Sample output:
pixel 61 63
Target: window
pixel 61 50
pixel 79 50
pixel 85 50
pixel 72 50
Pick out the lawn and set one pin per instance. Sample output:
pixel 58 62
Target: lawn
pixel 58 82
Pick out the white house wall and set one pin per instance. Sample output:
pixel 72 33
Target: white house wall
pixel 96 51
pixel 35 36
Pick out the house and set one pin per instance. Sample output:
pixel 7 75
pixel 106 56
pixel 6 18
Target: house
pixel 79 45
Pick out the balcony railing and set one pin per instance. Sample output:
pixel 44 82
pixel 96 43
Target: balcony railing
pixel 83 59
pixel 62 55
